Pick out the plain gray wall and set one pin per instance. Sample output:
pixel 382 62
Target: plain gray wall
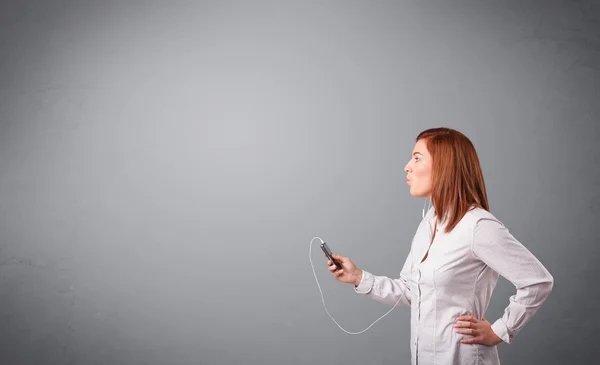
pixel 164 166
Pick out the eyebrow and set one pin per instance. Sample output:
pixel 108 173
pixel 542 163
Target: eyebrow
pixel 415 153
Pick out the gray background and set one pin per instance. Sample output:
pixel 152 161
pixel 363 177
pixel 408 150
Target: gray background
pixel 164 166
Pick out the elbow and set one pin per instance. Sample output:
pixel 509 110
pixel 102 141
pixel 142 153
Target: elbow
pixel 540 289
pixel 545 286
pixel 550 283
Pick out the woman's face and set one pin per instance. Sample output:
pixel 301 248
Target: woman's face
pixel 418 171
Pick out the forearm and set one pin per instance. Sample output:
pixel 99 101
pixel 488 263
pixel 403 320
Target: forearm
pixel 384 289
pixel 523 306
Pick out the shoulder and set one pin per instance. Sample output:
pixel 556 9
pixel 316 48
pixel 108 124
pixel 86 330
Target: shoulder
pixel 485 228
pixel 477 218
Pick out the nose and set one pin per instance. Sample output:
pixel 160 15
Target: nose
pixel 406 169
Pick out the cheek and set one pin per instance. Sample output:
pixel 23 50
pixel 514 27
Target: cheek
pixel 423 175
pixel 422 172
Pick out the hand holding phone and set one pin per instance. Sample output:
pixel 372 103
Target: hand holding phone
pixel 329 254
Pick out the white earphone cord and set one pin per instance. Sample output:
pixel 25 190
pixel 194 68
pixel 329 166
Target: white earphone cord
pixel 323 299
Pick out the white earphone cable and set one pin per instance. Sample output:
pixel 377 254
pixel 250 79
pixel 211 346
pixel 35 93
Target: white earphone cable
pixel 323 299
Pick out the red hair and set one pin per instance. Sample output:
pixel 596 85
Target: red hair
pixel 457 179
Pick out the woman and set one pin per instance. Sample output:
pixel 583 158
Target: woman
pixel 456 255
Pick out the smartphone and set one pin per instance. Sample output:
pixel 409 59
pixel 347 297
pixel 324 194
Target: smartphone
pixel 328 253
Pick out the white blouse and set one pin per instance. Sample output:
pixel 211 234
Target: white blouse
pixel 457 278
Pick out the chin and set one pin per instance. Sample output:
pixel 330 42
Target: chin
pixel 418 194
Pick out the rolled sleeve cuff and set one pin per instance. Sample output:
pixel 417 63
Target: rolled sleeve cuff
pixel 366 283
pixel 501 331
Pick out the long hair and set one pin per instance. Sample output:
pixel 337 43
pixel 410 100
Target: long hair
pixel 457 179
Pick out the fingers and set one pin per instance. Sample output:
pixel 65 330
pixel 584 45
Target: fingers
pixel 338 273
pixel 339 258
pixel 334 269
pixel 337 270
pixel 464 324
pixel 471 340
pixel 478 329
pixel 331 266
pixel 467 318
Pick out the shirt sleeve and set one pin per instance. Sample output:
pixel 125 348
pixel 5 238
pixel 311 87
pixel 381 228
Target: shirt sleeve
pixel 387 290
pixel 496 247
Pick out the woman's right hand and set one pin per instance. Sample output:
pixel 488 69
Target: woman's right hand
pixel 348 273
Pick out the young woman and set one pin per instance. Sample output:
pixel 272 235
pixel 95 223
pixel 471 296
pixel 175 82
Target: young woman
pixel 456 256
